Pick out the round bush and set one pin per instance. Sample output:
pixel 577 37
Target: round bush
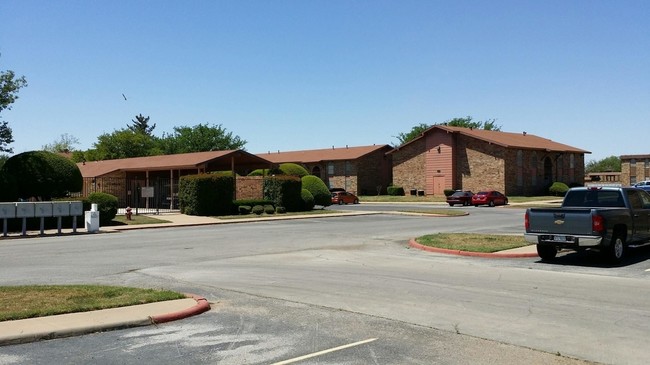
pixel 269 209
pixel 307 200
pixel 280 210
pixel 244 209
pixel 41 174
pixel 318 189
pixel 395 190
pixel 293 169
pixel 558 189
pixel 107 206
pixel 258 209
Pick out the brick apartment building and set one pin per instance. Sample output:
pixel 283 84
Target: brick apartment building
pixel 444 157
pixel 362 170
pixel 634 169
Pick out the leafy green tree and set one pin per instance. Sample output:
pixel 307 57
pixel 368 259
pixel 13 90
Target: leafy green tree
pixel 413 134
pixel 64 144
pixel 467 122
pixel 607 164
pixel 200 138
pixel 9 87
pixel 141 125
pixel 123 143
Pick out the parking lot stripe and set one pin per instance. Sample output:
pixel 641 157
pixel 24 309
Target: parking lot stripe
pixel 309 356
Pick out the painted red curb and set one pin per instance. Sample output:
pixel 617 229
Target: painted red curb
pixel 414 244
pixel 201 306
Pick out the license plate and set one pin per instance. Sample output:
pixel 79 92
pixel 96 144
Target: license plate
pixel 559 238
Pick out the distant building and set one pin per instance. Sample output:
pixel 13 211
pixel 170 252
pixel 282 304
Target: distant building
pixel 364 170
pixel 444 157
pixel 603 179
pixel 634 168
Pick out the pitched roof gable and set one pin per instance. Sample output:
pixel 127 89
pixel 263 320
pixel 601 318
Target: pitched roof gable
pixel 179 161
pixel 506 139
pixel 325 154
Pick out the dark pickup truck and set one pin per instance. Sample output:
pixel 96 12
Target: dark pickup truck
pixel 606 219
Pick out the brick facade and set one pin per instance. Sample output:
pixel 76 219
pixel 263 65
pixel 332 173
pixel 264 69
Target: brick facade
pixel 634 169
pixel 440 160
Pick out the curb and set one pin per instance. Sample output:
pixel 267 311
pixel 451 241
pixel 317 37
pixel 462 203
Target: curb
pixel 202 305
pixel 48 333
pixel 414 244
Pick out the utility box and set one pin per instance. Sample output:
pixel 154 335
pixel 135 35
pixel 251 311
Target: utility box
pixel 92 220
pixel 7 210
pixel 60 209
pixel 25 210
pixel 76 209
pixel 43 209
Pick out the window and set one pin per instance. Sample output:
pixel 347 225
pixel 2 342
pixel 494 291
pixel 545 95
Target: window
pixel 330 168
pixel 348 168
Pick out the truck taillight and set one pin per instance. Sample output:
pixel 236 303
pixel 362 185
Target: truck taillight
pixel 526 221
pixel 597 223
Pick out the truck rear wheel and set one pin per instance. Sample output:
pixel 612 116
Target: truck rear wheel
pixel 546 252
pixel 616 250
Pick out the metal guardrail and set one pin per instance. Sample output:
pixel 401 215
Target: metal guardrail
pixel 40 210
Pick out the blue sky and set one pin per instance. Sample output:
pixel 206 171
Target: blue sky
pixel 300 74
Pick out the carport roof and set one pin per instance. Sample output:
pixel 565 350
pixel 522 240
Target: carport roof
pixel 325 154
pixel 506 139
pixel 181 161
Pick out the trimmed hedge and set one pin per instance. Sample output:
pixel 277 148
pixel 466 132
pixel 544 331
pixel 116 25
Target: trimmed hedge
pixel 206 194
pixel 106 204
pixel 284 191
pixel 318 189
pixel 39 174
pixel 307 200
pixel 558 189
pixel 395 190
pixel 449 192
pixel 266 172
pixel 293 169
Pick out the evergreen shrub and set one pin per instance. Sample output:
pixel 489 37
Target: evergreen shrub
pixel 307 200
pixel 558 189
pixel 206 194
pixel 395 190
pixel 318 189
pixel 284 191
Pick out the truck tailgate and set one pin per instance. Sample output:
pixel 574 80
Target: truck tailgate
pixel 574 221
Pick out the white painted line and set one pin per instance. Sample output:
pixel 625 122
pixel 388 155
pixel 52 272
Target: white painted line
pixel 309 356
pixel 647 270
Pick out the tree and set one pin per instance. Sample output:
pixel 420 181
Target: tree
pixel 123 143
pixel 200 138
pixel 488 125
pixel 64 144
pixel 141 125
pixel 9 87
pixel 607 164
pixel 413 134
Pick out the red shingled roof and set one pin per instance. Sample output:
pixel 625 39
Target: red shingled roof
pixel 325 154
pixel 181 161
pixel 506 139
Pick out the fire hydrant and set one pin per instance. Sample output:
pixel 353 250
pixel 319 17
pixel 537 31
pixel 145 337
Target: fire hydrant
pixel 128 213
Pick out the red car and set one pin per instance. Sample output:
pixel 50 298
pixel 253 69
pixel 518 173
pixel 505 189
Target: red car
pixel 490 197
pixel 343 197
pixel 460 197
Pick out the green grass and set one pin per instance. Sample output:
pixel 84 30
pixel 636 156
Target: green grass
pixel 21 302
pixel 137 219
pixel 443 212
pixel 487 243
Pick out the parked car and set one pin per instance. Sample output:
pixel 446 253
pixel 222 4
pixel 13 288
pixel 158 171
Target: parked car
pixel 333 190
pixel 645 185
pixel 489 197
pixel 460 197
pixel 344 197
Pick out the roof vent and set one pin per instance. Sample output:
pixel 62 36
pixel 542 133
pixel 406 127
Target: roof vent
pixel 525 133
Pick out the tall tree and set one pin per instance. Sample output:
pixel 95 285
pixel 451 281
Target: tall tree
pixel 141 125
pixel 414 133
pixel 9 87
pixel 200 138
pixel 64 144
pixel 607 164
pixel 467 122
pixel 123 143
